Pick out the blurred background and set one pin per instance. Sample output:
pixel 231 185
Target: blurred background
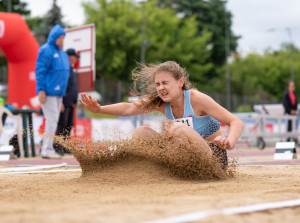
pixel 241 53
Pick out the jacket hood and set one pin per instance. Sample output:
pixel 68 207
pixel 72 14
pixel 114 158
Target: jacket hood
pixel 55 32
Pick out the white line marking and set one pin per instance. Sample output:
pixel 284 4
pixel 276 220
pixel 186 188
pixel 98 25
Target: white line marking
pixel 32 167
pixel 227 211
pixel 258 165
pixel 40 171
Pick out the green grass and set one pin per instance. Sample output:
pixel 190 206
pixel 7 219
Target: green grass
pixel 90 114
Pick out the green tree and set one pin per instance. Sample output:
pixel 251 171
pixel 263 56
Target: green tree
pixel 35 24
pixel 41 26
pixel 264 77
pixel 276 73
pixel 118 35
pixel 16 6
pixel 213 17
pixel 245 74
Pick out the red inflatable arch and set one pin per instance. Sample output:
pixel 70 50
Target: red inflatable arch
pixel 21 50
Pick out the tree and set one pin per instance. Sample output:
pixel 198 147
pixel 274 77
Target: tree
pixel 41 26
pixel 245 76
pixel 213 17
pixel 16 6
pixel 276 73
pixel 264 76
pixel 118 35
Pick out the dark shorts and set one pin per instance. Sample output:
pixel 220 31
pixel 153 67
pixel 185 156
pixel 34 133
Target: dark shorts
pixel 220 154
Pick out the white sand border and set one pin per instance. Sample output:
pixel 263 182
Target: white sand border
pixel 191 217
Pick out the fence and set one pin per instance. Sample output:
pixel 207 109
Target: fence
pixel 262 129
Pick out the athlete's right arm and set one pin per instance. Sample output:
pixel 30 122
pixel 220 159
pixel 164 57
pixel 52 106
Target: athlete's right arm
pixel 119 109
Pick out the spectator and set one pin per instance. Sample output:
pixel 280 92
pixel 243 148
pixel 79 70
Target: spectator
pixel 52 73
pixel 290 104
pixel 65 123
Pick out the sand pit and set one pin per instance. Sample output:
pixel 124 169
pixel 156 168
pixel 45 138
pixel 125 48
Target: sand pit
pixel 139 186
pixel 141 191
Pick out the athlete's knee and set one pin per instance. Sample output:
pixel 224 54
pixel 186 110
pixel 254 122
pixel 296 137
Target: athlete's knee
pixel 142 131
pixel 177 128
pixel 139 129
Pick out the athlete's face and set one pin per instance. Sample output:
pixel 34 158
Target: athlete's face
pixel 167 87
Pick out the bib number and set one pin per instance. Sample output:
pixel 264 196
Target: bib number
pixel 187 121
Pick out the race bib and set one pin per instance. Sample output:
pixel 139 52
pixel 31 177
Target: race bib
pixel 188 121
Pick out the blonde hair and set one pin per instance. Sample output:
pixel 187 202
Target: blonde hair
pixel 144 85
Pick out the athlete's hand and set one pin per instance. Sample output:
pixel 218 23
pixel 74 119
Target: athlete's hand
pixel 223 142
pixel 90 103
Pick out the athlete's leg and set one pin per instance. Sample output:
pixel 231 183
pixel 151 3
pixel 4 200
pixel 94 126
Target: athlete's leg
pixel 184 134
pixel 144 132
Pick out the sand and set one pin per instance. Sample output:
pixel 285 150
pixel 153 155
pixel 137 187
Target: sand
pixel 140 186
pixel 140 191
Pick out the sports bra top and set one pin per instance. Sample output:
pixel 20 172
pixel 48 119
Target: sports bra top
pixel 204 125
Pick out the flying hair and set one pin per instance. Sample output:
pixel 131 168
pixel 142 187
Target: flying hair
pixel 144 85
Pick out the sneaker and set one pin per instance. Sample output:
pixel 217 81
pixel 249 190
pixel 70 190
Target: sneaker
pixel 51 156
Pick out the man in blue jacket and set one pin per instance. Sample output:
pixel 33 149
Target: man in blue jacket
pixel 65 123
pixel 52 73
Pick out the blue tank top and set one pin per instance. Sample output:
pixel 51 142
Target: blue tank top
pixel 204 125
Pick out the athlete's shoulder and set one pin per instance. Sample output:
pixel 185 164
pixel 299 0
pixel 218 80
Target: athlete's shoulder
pixel 200 100
pixel 196 94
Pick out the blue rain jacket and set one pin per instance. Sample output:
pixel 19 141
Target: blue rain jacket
pixel 52 66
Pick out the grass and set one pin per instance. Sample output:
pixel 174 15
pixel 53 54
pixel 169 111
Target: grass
pixel 90 114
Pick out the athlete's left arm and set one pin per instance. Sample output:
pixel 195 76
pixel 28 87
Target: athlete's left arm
pixel 208 106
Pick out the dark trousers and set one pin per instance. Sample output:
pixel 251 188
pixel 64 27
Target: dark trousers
pixel 64 127
pixel 289 129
